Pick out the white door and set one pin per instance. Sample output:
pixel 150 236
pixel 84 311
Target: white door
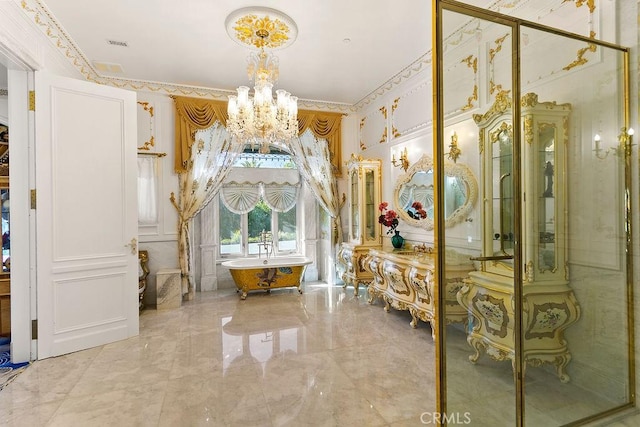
pixel 86 215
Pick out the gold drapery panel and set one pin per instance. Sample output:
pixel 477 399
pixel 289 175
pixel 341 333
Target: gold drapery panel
pixel 193 114
pixel 324 126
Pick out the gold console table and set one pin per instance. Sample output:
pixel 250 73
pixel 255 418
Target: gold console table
pixel 405 280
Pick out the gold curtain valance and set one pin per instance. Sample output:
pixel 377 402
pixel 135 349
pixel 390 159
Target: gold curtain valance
pixel 326 126
pixel 193 114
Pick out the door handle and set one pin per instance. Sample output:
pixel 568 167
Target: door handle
pixel 134 245
pixel 491 258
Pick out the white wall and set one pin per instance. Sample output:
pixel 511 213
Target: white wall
pixel 161 239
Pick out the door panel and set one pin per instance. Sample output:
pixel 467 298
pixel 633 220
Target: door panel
pixel 86 214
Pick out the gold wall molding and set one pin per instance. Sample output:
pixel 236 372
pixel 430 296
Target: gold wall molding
pixel 384 136
pixel 591 4
pixel 362 145
pixel 394 130
pixel 580 59
pixel 151 142
pixel 472 62
pixel 498 47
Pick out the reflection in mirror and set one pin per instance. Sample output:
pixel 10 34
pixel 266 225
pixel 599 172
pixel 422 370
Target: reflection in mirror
pixel 413 196
pixel 6 242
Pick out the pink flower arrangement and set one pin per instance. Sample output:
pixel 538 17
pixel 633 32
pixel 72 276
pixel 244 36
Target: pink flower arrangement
pixel 416 211
pixel 388 217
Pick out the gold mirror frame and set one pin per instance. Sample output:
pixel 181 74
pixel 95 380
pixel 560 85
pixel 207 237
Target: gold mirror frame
pixel 456 170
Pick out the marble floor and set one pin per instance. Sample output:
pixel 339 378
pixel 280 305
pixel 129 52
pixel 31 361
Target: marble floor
pixel 324 358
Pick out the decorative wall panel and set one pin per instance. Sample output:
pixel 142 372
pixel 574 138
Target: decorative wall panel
pixel 146 126
pixel 373 128
pixel 412 110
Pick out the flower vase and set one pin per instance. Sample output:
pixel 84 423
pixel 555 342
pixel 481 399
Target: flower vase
pixel 397 240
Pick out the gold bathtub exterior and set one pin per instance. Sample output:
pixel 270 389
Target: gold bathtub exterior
pixel 267 278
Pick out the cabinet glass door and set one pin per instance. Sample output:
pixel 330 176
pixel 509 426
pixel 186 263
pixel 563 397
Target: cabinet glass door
pixel 546 162
pixel 502 197
pixel 355 211
pixel 370 207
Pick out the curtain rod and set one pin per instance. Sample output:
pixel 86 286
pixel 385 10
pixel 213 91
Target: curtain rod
pixel 148 153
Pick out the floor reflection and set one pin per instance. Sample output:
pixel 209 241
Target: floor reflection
pixel 323 358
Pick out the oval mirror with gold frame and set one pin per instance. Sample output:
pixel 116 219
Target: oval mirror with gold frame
pixel 413 195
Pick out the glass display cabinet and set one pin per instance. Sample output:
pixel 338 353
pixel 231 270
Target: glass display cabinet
pixel 550 305
pixel 364 180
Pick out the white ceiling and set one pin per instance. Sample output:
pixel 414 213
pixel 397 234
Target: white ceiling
pixel 186 43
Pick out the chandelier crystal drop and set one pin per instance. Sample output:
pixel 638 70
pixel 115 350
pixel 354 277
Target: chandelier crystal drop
pixel 260 120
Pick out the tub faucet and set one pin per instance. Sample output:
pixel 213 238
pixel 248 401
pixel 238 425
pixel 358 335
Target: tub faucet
pixel 266 243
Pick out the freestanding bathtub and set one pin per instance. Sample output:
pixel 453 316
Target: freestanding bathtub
pixel 252 274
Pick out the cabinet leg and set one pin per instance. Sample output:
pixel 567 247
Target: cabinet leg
pixel 561 363
pixel 477 346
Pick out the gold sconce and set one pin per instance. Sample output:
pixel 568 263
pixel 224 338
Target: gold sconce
pixel 403 162
pixel 454 151
pixel 625 142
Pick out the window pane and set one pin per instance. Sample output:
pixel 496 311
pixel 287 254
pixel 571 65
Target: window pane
pixel 287 231
pixel 230 232
pixel 259 219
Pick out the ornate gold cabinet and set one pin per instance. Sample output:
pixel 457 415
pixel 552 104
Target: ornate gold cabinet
pixel 364 177
pixel 549 305
pixel 405 280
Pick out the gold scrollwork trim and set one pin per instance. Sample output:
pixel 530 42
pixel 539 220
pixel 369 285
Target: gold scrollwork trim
pixel 383 138
pixel 498 42
pixel 504 127
pixel 528 129
pixel 473 97
pixel 383 110
pixel 146 107
pixel 151 142
pixel 472 62
pixel 362 144
pixel 500 105
pixel 581 60
pixel 394 130
pixel 591 4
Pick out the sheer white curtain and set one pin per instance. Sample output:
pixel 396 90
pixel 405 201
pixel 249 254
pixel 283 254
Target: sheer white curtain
pixel 212 156
pixel 242 198
pixel 147 190
pixel 314 162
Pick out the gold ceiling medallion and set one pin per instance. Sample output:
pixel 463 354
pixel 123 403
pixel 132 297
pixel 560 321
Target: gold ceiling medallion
pixel 261 27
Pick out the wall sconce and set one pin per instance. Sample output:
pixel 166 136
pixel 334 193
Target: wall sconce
pixel 403 162
pixel 454 151
pixel 625 140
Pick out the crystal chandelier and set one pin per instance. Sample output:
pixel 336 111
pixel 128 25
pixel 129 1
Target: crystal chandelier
pixel 261 120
